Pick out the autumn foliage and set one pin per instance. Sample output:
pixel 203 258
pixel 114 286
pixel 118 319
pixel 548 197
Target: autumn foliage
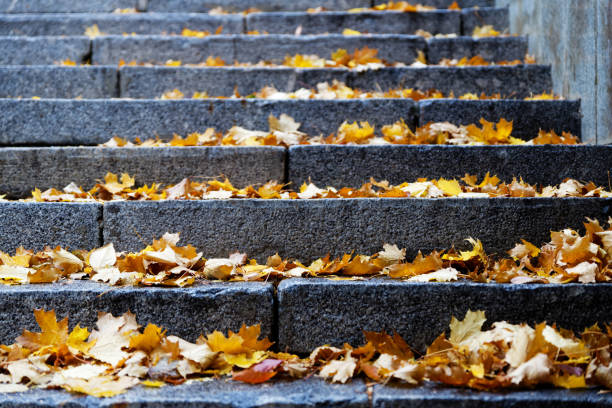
pixel 124 188
pixel 568 257
pixel 284 131
pixel 120 354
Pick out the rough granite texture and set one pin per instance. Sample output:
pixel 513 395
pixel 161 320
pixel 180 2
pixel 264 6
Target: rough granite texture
pixel 36 225
pixel 90 122
pixel 519 81
pixel 142 82
pixel 24 168
pixel 63 6
pixel 109 50
pixel 309 229
pixel 54 82
pixel 477 17
pixel 334 312
pixel 391 47
pixel 311 392
pixel 528 117
pixel 395 395
pixel 435 22
pixel 42 50
pixel 264 5
pixel 447 3
pixel 224 393
pixel 489 48
pixel 353 165
pixel 139 23
pixel 186 312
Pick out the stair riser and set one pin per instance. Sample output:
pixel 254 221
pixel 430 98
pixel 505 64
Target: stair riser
pixel 520 82
pixel 391 47
pixel 60 122
pixel 143 82
pixel 76 24
pixel 309 229
pixel 36 225
pixel 435 22
pixel 42 50
pixel 528 117
pixel 24 169
pixel 334 312
pixel 353 165
pixel 58 82
pixel 63 6
pixel 185 312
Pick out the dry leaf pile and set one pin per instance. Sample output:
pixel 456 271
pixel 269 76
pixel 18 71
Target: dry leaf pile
pixel 120 354
pixel 284 131
pixel 339 90
pixel 568 257
pixel 117 189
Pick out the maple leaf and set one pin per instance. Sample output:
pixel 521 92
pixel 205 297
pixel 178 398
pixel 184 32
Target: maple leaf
pixel 463 330
pixel 53 333
pixel 112 336
pixel 245 341
pixel 339 370
pixel 198 353
pixel 535 370
pixel 149 340
pixel 393 345
pixel 442 275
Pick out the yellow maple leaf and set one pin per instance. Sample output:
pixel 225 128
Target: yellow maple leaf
pixel 149 340
pixel 450 187
pixel 53 333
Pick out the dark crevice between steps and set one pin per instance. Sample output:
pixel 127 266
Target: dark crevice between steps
pixel 118 84
pixel 86 59
pixel 286 168
pixel 461 24
pixel 274 330
pixel 101 226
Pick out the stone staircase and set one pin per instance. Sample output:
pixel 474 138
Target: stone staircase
pixel 52 140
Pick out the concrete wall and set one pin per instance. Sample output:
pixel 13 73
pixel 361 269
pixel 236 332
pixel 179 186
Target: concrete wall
pixel 575 37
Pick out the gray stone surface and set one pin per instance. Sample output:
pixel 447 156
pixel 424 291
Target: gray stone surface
pixel 528 116
pixel 55 82
pixel 144 82
pixel 447 3
pixel 240 5
pixel 249 48
pixel 478 17
pixel 90 122
pixel 63 6
pixel 140 23
pixel 42 50
pixel 109 50
pixel 309 229
pixel 490 48
pixel 353 165
pixel 225 393
pixel 395 395
pixel 439 21
pixel 334 312
pixel 186 312
pixel 391 47
pixel 36 225
pixel 23 169
pixel 575 37
pixel 519 81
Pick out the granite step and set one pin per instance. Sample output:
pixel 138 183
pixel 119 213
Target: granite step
pixel 516 81
pixel 109 50
pixel 313 392
pixel 435 22
pixel 60 122
pixel 340 166
pixel 309 229
pixel 421 311
pixel 75 24
pixel 24 169
pixel 186 312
